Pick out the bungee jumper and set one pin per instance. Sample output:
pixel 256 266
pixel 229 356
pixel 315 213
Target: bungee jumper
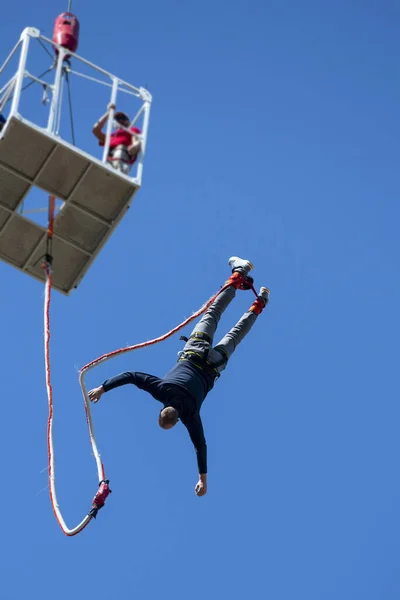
pixel 184 388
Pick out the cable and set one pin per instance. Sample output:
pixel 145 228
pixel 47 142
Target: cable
pixel 7 95
pixel 44 48
pixel 40 77
pixel 30 83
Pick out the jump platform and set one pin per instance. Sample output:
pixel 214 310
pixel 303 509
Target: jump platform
pixel 95 197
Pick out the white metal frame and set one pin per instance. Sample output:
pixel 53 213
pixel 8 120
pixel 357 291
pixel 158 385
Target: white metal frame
pixel 127 185
pixel 116 85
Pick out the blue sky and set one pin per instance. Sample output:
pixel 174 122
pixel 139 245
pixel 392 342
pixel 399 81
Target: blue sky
pixel 274 135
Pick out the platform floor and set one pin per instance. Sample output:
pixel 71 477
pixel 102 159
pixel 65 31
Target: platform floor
pixel 96 198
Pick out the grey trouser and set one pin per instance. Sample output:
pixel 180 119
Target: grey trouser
pixel 119 159
pixel 208 325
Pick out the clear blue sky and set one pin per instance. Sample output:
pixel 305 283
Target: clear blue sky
pixel 274 135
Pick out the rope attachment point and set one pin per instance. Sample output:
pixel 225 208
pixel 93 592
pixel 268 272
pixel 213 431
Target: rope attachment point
pixel 48 257
pixel 100 498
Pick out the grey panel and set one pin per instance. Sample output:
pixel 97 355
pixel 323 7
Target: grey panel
pixel 104 193
pixel 18 239
pixel 4 215
pixel 25 149
pixel 12 189
pixel 67 264
pixel 79 227
pixel 62 172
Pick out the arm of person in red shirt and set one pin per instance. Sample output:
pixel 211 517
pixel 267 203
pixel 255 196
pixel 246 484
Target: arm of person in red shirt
pixel 135 146
pixel 97 127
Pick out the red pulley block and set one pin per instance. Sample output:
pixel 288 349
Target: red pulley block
pixel 66 32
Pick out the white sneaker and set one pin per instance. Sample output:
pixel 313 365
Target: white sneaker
pixel 264 295
pixel 240 264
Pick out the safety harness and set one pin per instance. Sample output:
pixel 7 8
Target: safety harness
pixel 200 358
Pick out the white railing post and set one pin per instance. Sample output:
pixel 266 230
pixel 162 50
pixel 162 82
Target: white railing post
pixel 19 79
pixel 146 118
pixel 56 92
pixel 9 57
pixel 7 94
pixel 110 119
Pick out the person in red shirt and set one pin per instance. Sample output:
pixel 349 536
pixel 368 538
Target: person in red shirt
pixel 124 147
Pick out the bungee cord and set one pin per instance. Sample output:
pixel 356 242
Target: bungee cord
pixel 104 490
